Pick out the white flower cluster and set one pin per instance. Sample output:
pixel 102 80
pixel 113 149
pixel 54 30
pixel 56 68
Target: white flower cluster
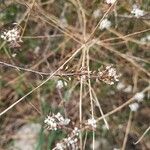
pixel 56 121
pixel 125 88
pixel 105 24
pixel 96 13
pixel 137 12
pixel 76 131
pixel 116 149
pixel 92 123
pixel 70 142
pixel 59 146
pixel 112 72
pixel 139 98
pixel 60 84
pixel 110 1
pixel 134 106
pixel 63 22
pixel 120 86
pixel 128 89
pixel 109 75
pixel 11 35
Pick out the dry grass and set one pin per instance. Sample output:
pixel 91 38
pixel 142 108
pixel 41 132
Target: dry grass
pixel 62 40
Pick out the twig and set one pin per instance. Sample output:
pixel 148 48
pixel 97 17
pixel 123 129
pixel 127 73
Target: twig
pixel 142 135
pixel 109 9
pixel 127 131
pixel 90 93
pixel 100 109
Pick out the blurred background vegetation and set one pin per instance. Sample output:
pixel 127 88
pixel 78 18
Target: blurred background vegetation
pixel 52 30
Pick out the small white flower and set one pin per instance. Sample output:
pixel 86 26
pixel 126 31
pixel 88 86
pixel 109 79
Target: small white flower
pixel 110 1
pixel 137 12
pixel 14 55
pixel 63 22
pixel 134 106
pixel 71 142
pixel 92 122
pixel 59 146
pixel 65 83
pixel 50 122
pixel 96 13
pixel 148 37
pixel 109 75
pixel 105 24
pixel 128 89
pixel 139 96
pixel 55 121
pixel 116 149
pixel 60 84
pixel 2 36
pixel 120 86
pixel 112 72
pixel 76 131
pixel 65 122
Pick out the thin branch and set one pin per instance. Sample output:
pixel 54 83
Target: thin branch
pixel 90 93
pixel 146 131
pixel 127 131
pixel 107 12
pixel 100 109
